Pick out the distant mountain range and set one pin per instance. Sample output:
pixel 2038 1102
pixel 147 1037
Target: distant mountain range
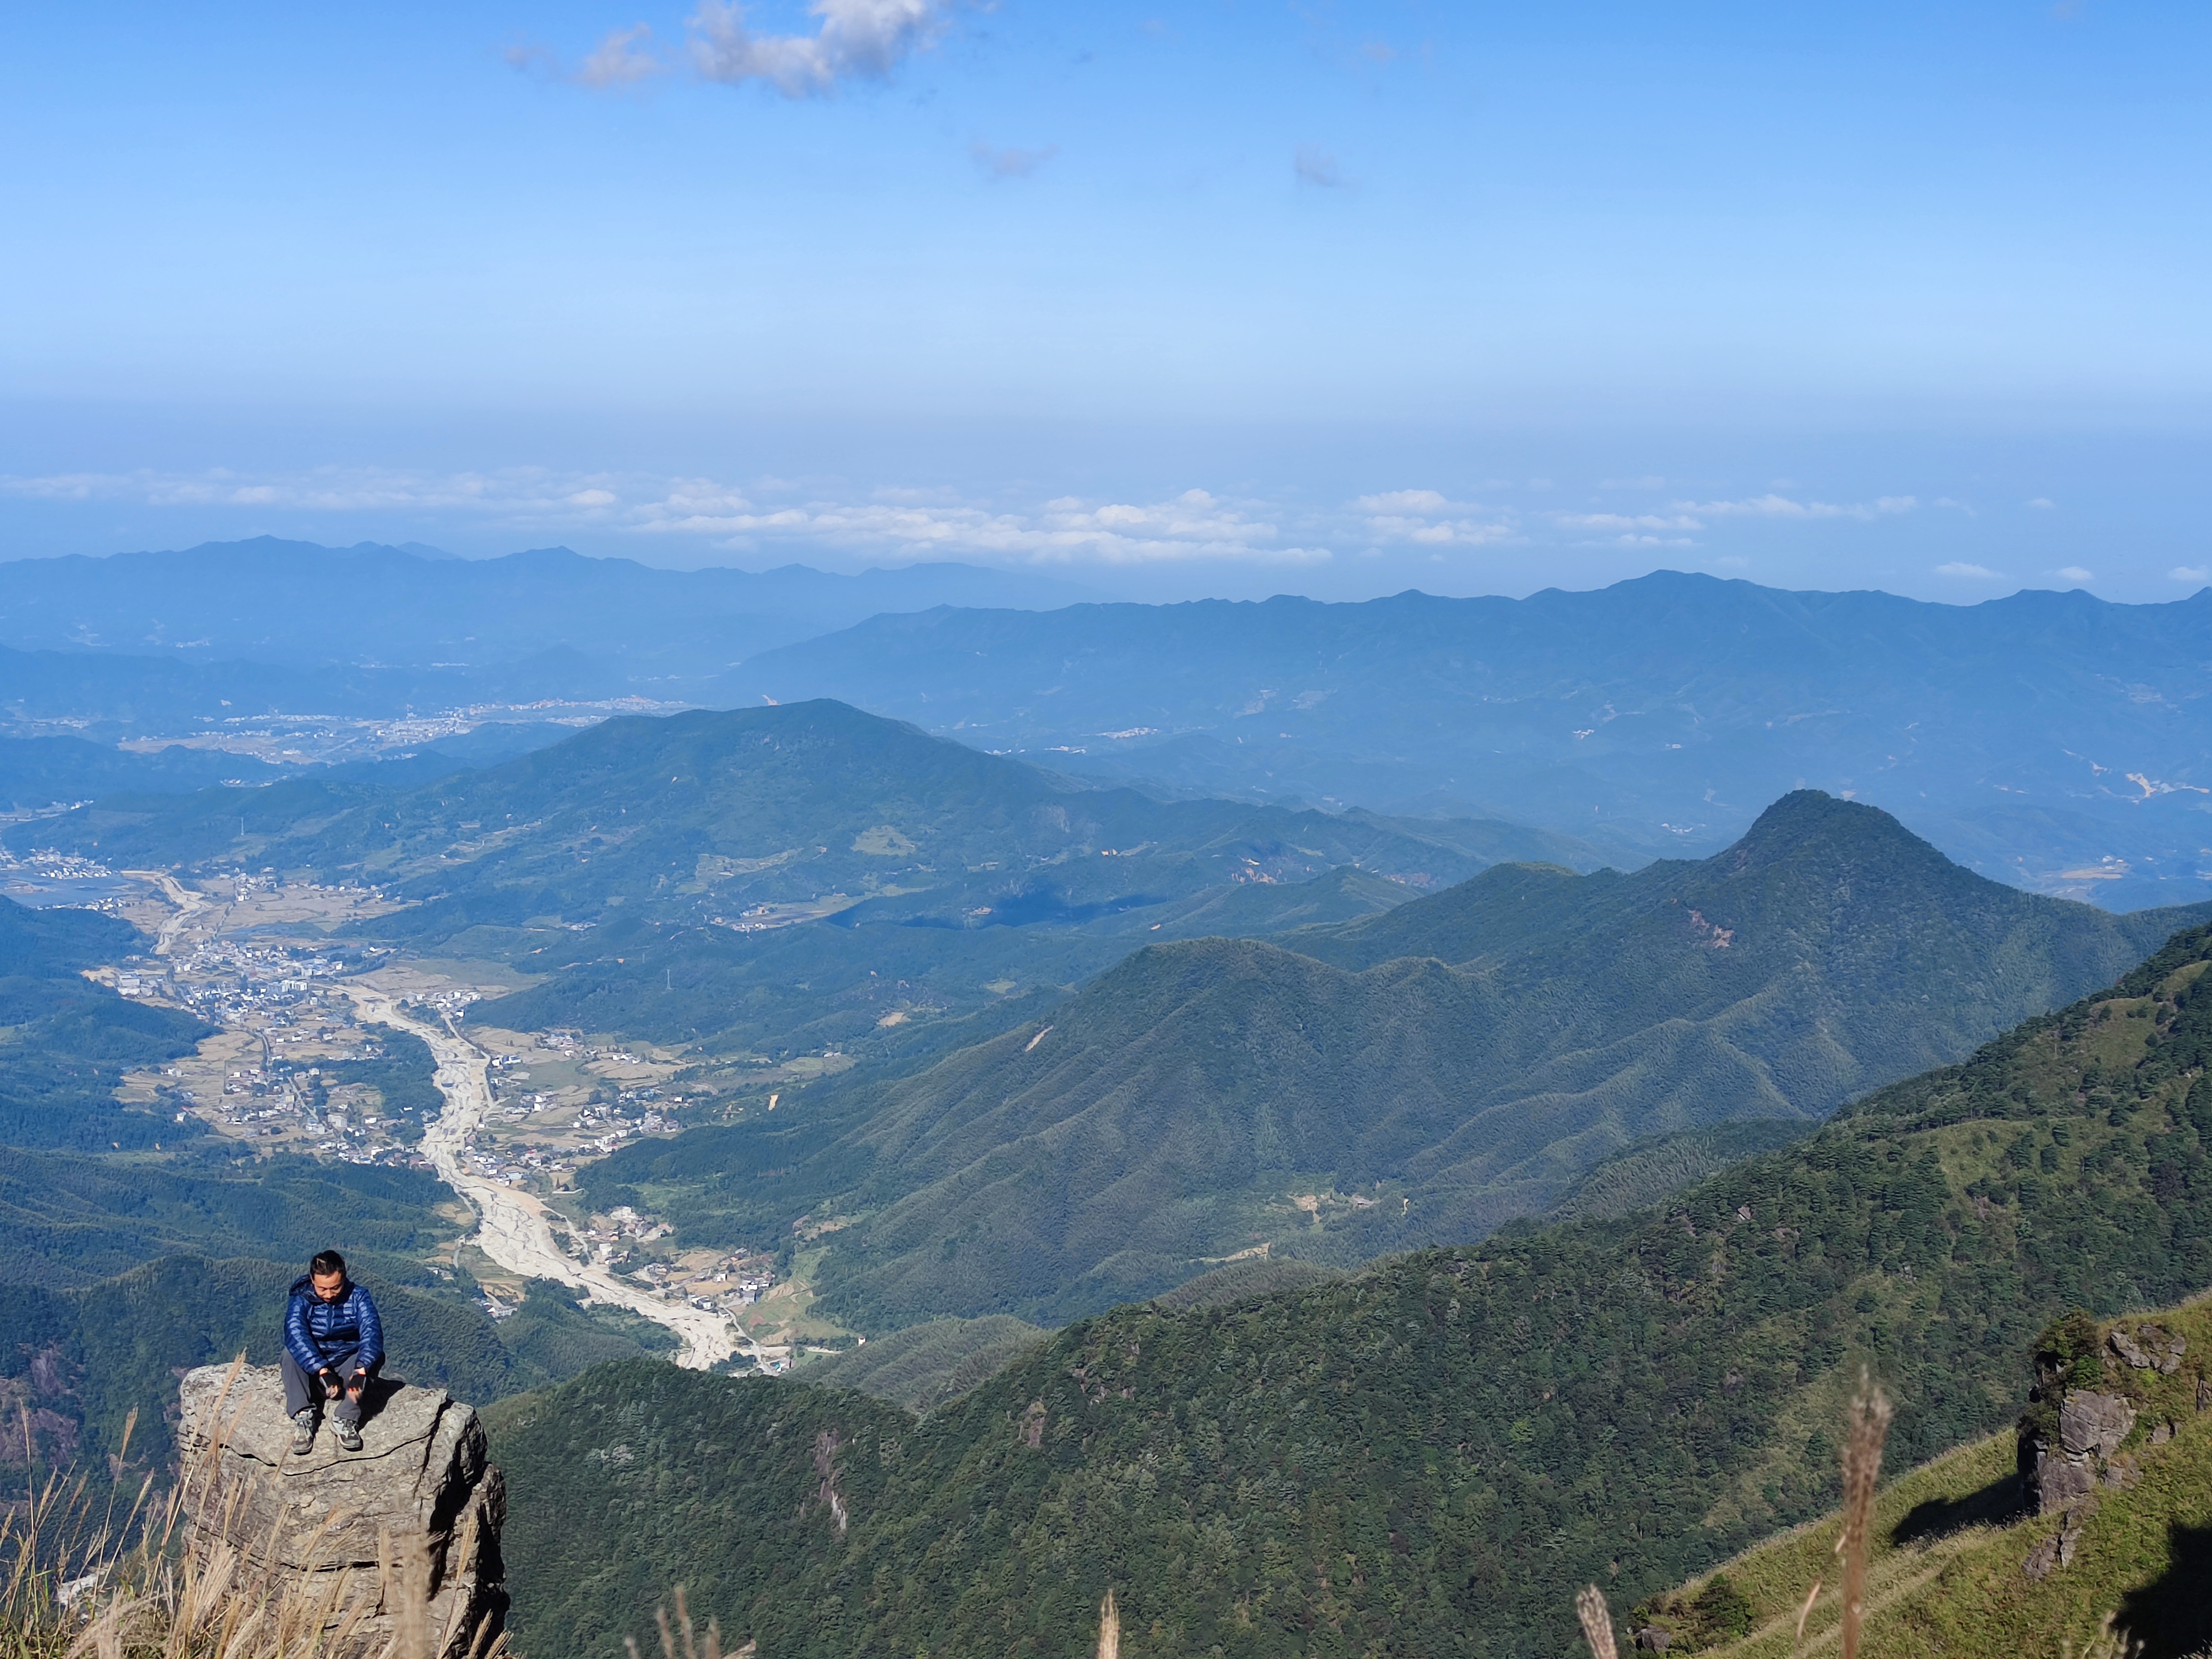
pixel 299 605
pixel 2053 740
pixel 1418 1075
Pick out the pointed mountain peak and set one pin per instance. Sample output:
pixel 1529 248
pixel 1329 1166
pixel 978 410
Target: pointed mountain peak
pixel 1812 823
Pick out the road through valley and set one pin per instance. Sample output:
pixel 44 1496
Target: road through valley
pixel 512 1227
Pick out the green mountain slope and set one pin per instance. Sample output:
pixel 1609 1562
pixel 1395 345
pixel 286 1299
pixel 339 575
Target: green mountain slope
pixel 1951 1543
pixel 65 1043
pixel 1171 1114
pixel 1433 1457
pixel 923 1366
pixel 67 1219
pixel 784 876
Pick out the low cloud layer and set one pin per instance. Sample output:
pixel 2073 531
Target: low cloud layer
pixel 684 519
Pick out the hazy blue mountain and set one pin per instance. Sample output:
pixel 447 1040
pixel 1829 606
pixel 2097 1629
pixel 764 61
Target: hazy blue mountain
pixel 2028 737
pixel 303 605
pixel 36 772
pixel 790 876
pixel 1464 1063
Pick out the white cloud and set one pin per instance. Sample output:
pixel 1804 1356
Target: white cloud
pixel 862 38
pixel 1068 530
pixel 1314 166
pixel 1784 506
pixel 2043 503
pixel 620 60
pixel 2184 573
pixel 1427 518
pixel 2074 573
pixel 1627 522
pixel 1978 573
pixel 1405 501
pixel 1956 506
pixel 1008 162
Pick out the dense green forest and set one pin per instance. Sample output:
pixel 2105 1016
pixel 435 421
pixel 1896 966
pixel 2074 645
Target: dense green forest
pixel 68 1219
pixel 1431 1456
pixel 1476 1052
pixel 65 1043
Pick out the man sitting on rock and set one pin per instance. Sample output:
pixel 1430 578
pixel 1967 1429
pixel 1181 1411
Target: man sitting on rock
pixel 333 1343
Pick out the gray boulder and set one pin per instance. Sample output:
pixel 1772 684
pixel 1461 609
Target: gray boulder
pixel 2093 1422
pixel 419 1499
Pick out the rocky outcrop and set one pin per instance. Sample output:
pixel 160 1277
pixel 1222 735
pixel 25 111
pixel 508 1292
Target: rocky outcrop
pixel 414 1514
pixel 2085 1454
pixel 2149 1348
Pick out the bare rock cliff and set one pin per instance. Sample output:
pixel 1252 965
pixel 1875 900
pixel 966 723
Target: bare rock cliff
pixel 413 1516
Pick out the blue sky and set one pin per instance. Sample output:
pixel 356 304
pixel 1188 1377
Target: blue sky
pixel 1208 298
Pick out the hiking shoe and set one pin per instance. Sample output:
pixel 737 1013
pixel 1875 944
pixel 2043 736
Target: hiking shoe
pixel 349 1433
pixel 303 1431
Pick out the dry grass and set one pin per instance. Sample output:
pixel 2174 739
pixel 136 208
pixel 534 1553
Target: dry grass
pixel 85 1583
pixel 692 1649
pixel 1867 1429
pixel 1597 1622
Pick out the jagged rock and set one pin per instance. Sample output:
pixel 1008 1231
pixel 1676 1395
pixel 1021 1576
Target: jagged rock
pixel 2094 1423
pixel 2205 1393
pixel 419 1488
pixel 1652 1639
pixel 2058 1480
pixel 2041 1560
pixel 2126 1347
pixel 2161 1434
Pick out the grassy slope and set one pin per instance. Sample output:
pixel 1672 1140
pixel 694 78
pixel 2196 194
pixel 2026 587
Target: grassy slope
pixel 1950 1539
pixel 1430 1457
pixel 1175 1104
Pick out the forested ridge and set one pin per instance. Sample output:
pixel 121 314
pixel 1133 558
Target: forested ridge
pixel 1429 1457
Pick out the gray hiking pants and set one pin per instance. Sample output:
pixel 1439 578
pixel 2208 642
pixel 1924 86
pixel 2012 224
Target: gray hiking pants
pixel 302 1390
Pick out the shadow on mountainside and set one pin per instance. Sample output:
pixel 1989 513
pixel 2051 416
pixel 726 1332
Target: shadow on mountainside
pixel 1997 1504
pixel 2171 1615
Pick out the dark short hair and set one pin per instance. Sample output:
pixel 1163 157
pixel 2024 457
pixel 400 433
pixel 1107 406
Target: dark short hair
pixel 326 1263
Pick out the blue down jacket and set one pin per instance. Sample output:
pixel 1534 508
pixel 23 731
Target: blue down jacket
pixel 318 1332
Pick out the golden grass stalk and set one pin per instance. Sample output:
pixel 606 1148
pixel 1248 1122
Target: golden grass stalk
pixel 1597 1622
pixel 1867 1427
